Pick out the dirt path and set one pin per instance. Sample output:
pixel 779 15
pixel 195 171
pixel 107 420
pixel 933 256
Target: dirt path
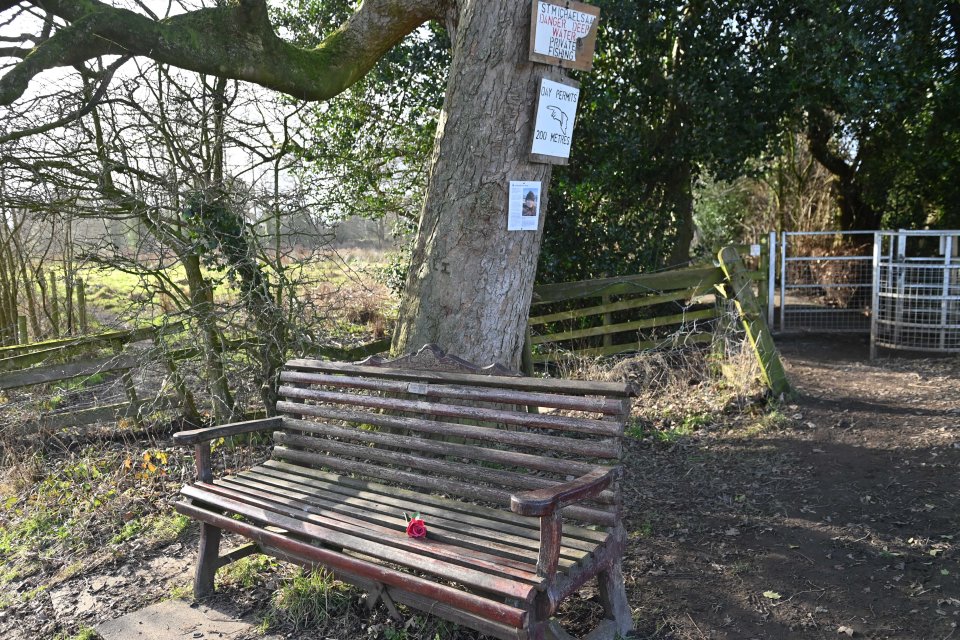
pixel 841 519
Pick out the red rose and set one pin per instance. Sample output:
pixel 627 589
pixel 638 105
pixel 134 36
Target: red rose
pixel 416 528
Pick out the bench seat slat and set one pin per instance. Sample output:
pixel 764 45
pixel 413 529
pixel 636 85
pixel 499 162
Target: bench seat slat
pixel 391 536
pixel 408 497
pixel 517 549
pixel 595 404
pixel 490 609
pixel 590 448
pixel 473 452
pixel 572 387
pixel 276 515
pixel 421 407
pixel 453 470
pixel 444 485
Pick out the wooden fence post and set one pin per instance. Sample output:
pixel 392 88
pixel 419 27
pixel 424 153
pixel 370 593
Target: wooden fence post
pixel 22 336
pixel 526 355
pixel 82 306
pixel 607 321
pixel 753 321
pixel 127 379
pixel 763 282
pixel 54 305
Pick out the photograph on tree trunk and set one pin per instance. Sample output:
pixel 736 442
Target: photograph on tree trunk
pixel 641 315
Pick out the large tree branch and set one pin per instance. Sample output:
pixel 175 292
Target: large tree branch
pixel 235 40
pixel 819 133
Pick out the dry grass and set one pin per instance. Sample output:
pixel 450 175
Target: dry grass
pixel 681 390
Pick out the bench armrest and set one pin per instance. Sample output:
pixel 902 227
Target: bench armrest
pixel 206 434
pixel 543 502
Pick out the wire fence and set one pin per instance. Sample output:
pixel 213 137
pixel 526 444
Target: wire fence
pixel 826 279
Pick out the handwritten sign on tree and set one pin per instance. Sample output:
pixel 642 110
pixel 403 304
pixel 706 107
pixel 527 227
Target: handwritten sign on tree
pixel 553 131
pixel 564 33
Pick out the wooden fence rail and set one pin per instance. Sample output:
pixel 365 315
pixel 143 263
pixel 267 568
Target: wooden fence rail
pixel 18 368
pixel 609 316
pixel 630 310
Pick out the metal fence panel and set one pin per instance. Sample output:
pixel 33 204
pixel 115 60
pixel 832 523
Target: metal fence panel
pixel 917 297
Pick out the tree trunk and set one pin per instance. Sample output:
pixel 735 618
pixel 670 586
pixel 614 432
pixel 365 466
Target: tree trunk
pixel 855 212
pixel 201 305
pixel 680 194
pixel 470 279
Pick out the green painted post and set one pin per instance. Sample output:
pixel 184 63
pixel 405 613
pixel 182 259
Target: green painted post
pixel 753 320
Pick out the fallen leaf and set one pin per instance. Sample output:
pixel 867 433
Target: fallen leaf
pixel 846 630
pixel 772 595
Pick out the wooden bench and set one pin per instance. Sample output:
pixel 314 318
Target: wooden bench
pixel 517 479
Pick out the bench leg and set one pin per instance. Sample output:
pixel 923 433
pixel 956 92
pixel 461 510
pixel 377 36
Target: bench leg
pixel 613 597
pixel 207 560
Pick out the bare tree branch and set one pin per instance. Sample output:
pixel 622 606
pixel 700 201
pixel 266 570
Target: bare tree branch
pixel 76 115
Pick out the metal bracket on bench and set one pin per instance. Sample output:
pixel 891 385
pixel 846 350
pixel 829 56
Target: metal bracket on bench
pixel 380 594
pixel 236 554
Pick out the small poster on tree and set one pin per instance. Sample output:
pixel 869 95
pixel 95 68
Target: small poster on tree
pixel 523 212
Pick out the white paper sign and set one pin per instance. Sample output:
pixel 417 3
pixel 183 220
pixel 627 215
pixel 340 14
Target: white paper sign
pixel 558 29
pixel 556 111
pixel 523 212
pixel 755 250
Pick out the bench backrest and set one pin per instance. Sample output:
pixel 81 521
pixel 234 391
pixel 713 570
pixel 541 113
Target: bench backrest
pixel 441 425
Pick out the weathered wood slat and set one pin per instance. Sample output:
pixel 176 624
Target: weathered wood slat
pixel 474 452
pixel 106 338
pixel 696 338
pixel 444 469
pixel 475 536
pixel 437 391
pixel 446 526
pixel 453 470
pixel 641 283
pixel 104 413
pixel 621 305
pixel 404 499
pixel 278 516
pixel 365 530
pixel 585 448
pixel 646 323
pixel 463 489
pixel 58 372
pixel 573 387
pixel 479 605
pixel 562 423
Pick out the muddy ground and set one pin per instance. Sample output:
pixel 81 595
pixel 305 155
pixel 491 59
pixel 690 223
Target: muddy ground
pixel 843 519
pixel 832 515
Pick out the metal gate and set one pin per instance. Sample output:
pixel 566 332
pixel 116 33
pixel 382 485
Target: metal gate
pixel 826 281
pixel 917 291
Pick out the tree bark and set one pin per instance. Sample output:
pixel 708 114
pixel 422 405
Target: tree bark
pixel 470 280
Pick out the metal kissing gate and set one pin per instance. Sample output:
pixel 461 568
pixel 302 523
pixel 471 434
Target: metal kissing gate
pixel 903 287
pixel 916 291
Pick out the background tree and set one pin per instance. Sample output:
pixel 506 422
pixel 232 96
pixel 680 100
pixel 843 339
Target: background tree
pixel 470 281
